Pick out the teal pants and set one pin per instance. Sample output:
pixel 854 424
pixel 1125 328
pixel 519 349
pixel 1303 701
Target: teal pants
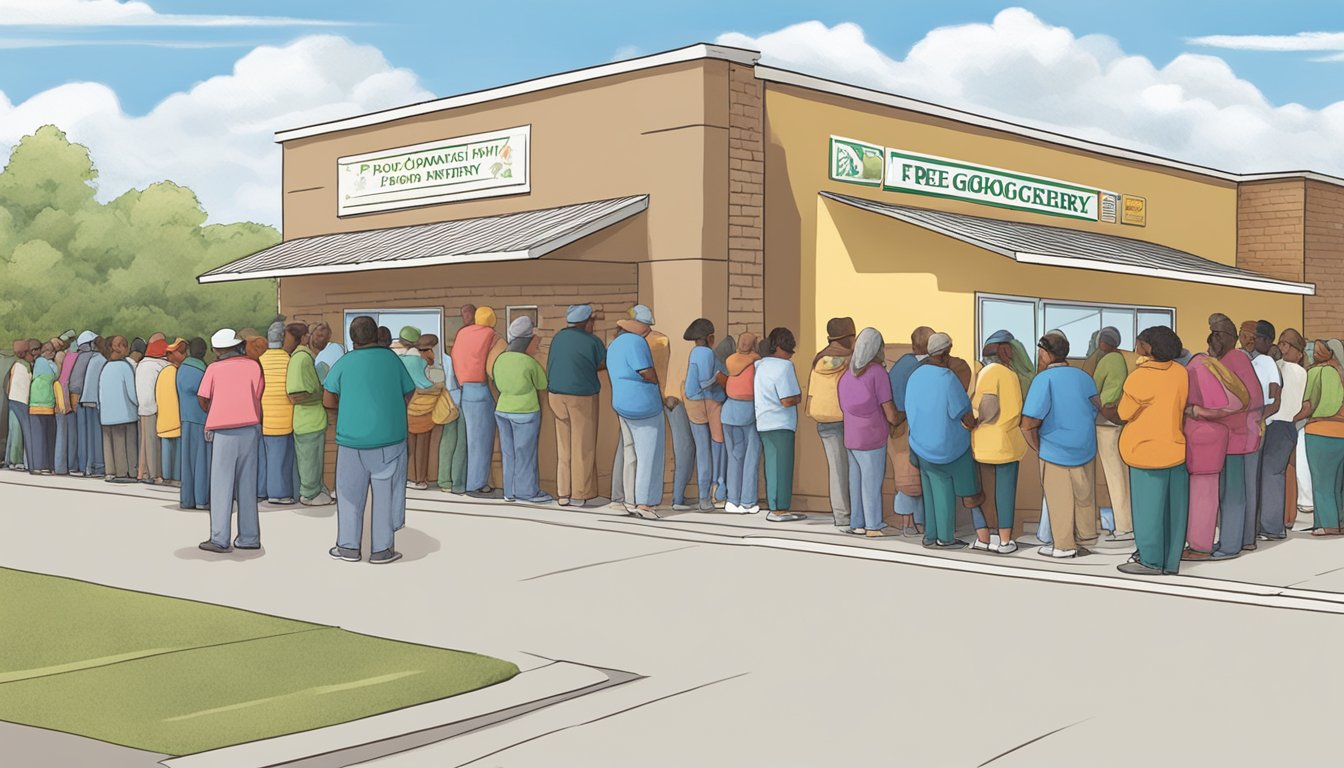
pixel 941 484
pixel 1005 495
pixel 777 445
pixel 1160 500
pixel 453 456
pixel 1325 457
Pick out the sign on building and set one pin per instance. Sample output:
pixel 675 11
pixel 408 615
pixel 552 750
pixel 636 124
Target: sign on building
pixel 460 168
pixel 856 162
pixel 940 177
pixel 1134 211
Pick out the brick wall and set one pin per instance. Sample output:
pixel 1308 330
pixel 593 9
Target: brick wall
pixel 1270 228
pixel 746 201
pixel 1324 249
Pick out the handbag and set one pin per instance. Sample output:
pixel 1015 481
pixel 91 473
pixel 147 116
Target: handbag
pixel 445 410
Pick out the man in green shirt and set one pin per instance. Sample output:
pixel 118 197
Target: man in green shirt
pixel 369 389
pixel 575 357
pixel 304 388
pixel 1109 376
pixel 520 379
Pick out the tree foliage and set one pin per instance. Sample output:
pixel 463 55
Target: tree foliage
pixel 126 267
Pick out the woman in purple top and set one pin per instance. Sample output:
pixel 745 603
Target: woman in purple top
pixel 870 417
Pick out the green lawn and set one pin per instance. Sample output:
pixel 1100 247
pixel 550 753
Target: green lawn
pixel 178 677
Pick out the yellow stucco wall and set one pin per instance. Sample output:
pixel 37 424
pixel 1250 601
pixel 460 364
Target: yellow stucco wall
pixel 896 276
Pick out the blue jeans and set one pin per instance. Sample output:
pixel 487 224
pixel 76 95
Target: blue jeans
pixel 683 451
pixel 720 453
pixel 194 466
pixel 91 440
pixel 357 471
pixel 642 450
pixel 744 463
pixel 171 457
pixel 67 443
pixel 478 408
pixel 866 470
pixel 275 467
pixel 704 459
pixel 519 434
pixel 233 478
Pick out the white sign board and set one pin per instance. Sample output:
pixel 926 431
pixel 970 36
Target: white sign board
pixel 941 177
pixel 461 168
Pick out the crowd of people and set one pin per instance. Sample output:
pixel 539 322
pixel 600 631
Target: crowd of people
pixel 1195 449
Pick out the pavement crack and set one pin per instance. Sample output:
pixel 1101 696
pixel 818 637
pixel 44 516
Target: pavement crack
pixel 1032 741
pixel 606 562
pixel 609 715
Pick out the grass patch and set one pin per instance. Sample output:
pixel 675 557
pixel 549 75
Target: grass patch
pixel 226 676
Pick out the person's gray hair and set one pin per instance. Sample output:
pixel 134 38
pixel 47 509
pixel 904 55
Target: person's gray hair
pixel 867 348
pixel 275 334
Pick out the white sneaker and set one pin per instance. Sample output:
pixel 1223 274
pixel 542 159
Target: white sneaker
pixel 1058 554
pixel 733 509
pixel 1007 548
pixel 753 509
pixel 980 545
pixel 320 500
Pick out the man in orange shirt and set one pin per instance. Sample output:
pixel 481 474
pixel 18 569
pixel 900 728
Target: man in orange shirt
pixel 1153 445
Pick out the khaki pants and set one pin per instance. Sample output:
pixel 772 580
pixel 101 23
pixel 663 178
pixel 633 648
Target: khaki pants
pixel 1117 475
pixel 150 466
pixel 576 445
pixel 1070 493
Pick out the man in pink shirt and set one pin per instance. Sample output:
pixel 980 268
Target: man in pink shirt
pixel 1240 487
pixel 230 394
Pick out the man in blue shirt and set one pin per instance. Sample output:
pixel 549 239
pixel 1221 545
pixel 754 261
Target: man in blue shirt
pixel 195 451
pixel 369 388
pixel 118 411
pixel 1059 422
pixel 939 414
pixel 636 397
pixel 94 461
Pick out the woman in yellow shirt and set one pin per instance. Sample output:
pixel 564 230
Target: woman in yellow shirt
pixel 1152 444
pixel 997 443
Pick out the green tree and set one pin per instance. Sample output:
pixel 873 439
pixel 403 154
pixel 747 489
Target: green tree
pixel 127 267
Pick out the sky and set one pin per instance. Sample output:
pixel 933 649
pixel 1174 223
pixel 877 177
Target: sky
pixel 194 91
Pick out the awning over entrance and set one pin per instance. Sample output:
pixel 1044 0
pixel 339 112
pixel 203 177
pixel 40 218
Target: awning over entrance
pixel 1061 247
pixel 514 236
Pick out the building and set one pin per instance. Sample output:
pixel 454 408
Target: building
pixel 701 183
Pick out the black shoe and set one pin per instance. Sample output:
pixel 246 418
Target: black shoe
pixel 348 555
pixel 210 546
pixel 953 544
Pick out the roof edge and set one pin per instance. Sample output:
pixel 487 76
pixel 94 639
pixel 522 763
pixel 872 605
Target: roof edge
pixel 695 52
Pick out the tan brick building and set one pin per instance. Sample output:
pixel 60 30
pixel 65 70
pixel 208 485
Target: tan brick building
pixel 702 183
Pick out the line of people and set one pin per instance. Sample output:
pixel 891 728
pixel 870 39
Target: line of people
pixel 1194 449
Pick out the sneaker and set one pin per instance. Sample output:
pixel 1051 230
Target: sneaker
pixel 733 509
pixel 210 546
pixel 203 507
pixel 953 544
pixel 510 499
pixel 720 503
pixel 753 509
pixel 1006 548
pixel 420 486
pixel 563 502
pixel 236 545
pixel 981 546
pixel 646 512
pixel 856 531
pixel 1270 537
pixel 320 500
pixel 384 557
pixel 348 555
pixel 682 508
pixel 785 517
pixel 705 505
pixel 544 498
pixel 284 502
pixel 1062 554
pixel 1138 569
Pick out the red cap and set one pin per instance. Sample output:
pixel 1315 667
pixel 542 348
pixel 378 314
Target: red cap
pixel 156 348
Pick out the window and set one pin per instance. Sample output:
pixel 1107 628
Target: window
pixel 427 320
pixel 514 312
pixel 1027 319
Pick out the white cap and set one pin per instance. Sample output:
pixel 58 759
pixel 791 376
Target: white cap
pixel 225 338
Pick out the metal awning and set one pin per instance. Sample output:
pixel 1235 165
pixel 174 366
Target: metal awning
pixel 510 237
pixel 1062 247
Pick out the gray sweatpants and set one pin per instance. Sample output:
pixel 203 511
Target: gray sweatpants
pixel 233 478
pixel 357 471
pixel 837 463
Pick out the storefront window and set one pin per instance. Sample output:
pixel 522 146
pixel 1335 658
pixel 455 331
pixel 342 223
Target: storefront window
pixel 1028 318
pixel 516 311
pixel 427 320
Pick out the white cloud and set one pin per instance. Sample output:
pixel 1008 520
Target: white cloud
pixel 103 13
pixel 1302 41
pixel 218 137
pixel 1194 108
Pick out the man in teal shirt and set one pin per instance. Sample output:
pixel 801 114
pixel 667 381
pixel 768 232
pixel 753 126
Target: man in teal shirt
pixel 575 357
pixel 369 389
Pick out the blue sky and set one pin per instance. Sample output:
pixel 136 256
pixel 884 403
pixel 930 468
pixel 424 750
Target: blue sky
pixel 194 91
pixel 454 47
